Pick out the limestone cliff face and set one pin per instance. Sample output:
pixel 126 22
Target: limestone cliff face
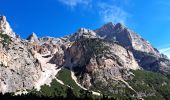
pixel 125 37
pixel 147 56
pixel 100 58
pixel 19 70
pixel 83 33
pixel 94 60
pixel 23 64
pixel 33 38
pixel 5 27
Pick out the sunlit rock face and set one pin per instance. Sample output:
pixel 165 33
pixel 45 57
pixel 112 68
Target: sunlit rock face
pixel 125 37
pixel 33 38
pixel 83 33
pixel 116 59
pixel 100 58
pixel 5 27
pixel 19 69
pixel 147 56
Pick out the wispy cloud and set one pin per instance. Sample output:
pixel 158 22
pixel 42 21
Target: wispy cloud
pixel 112 13
pixel 109 11
pixel 165 51
pixel 74 3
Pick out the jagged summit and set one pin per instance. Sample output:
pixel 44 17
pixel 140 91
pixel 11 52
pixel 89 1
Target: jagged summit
pixel 5 27
pixel 112 26
pixel 147 56
pixel 105 29
pixel 125 37
pixel 33 38
pixel 108 30
pixel 109 24
pixel 119 26
pixel 93 60
pixel 83 33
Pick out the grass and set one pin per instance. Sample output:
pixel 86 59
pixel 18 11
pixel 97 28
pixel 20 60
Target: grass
pixel 94 46
pixel 154 85
pixel 65 76
pixel 144 81
pixel 54 90
pixel 58 90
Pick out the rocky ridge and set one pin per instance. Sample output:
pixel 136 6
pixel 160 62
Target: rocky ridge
pixel 5 27
pixel 147 56
pixel 101 60
pixel 23 64
pixel 33 38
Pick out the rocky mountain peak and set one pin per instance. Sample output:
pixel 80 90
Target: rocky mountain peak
pixel 125 37
pixel 83 33
pixel 109 24
pixel 3 18
pixel 93 62
pixel 5 27
pixel 33 37
pixel 109 28
pixel 147 56
pixel 119 26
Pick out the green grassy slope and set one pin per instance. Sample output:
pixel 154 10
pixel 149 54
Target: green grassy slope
pixel 152 86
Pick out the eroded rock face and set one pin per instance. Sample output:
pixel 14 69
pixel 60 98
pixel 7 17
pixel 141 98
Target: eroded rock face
pixel 83 33
pixel 103 58
pixel 90 67
pixel 5 27
pixel 147 56
pixel 125 37
pixel 33 38
pixel 19 70
pixel 58 57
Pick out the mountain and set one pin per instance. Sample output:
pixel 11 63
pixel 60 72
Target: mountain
pixel 125 37
pixel 5 27
pixel 18 67
pixel 110 62
pixel 33 38
pixel 147 56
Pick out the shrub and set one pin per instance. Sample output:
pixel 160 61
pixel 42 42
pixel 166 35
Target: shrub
pixel 95 46
pixel 5 39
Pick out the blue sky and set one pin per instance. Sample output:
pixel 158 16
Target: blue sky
pixel 149 18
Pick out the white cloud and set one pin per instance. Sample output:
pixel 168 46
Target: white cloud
pixel 165 51
pixel 112 13
pixel 74 3
pixel 108 11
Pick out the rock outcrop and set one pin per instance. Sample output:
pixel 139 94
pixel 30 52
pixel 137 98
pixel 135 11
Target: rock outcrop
pixel 95 60
pixel 19 70
pixel 33 38
pixel 125 37
pixel 83 33
pixel 23 64
pixel 147 56
pixel 5 27
pixel 102 60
